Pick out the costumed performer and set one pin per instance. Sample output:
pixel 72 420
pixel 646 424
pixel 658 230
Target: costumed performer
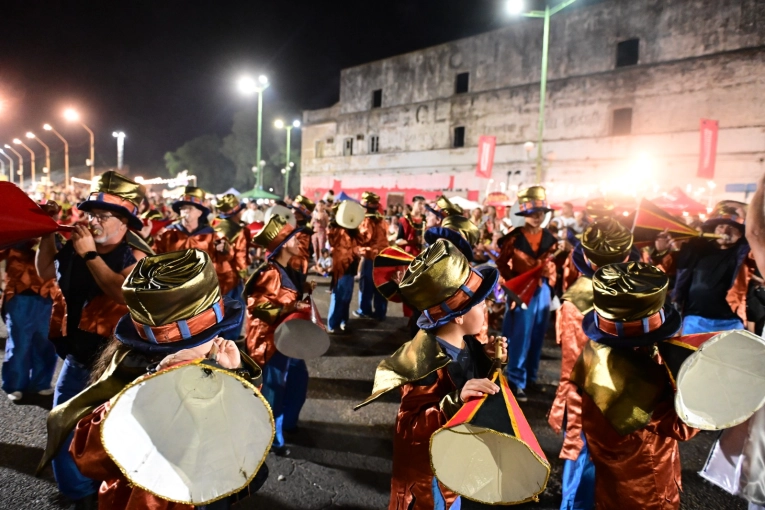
pixel 344 243
pixel 303 208
pixel 373 238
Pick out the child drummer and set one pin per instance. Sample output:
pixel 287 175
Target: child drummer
pixel 439 369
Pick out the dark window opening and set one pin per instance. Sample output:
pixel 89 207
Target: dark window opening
pixel 377 98
pixel 627 53
pixel 374 144
pixel 622 122
pixel 462 83
pixel 348 147
pixel 459 136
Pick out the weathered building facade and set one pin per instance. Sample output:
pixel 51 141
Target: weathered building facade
pixel 628 82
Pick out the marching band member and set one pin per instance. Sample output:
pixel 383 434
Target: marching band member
pixel 411 228
pixel 303 208
pixel 344 240
pixel 90 270
pixel 373 237
pixel 439 369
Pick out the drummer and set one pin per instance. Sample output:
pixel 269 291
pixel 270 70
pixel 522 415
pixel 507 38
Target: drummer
pixel 373 238
pixel 303 208
pixel 273 292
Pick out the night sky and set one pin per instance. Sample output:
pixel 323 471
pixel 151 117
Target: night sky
pixel 165 71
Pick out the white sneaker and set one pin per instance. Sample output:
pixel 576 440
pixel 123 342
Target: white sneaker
pixel 16 395
pixel 46 393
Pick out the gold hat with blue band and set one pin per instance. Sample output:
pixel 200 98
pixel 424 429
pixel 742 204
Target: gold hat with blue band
pixel 115 192
pixel 191 196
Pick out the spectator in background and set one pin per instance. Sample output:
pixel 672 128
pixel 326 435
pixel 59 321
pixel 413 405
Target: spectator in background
pixel 506 225
pixel 323 266
pixel 252 214
pixel 392 229
pixel 476 217
pixel 329 197
pixel 580 222
pixel 566 217
pixel 319 222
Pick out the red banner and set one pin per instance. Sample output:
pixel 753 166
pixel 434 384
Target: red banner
pixel 486 145
pixel 708 153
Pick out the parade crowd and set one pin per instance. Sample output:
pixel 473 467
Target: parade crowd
pixel 140 287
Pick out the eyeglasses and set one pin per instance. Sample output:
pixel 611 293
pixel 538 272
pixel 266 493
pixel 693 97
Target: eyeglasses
pixel 101 217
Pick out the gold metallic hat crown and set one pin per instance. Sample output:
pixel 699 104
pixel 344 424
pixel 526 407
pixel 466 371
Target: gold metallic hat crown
pixel 227 203
pixel 273 233
pixel 176 286
pixel 304 204
pixel 193 194
pixel 729 210
pixel 437 275
pixel 629 291
pixel 369 198
pixel 117 189
pixel 532 193
pixel 606 242
pixel 597 208
pixel 447 208
pixel 464 226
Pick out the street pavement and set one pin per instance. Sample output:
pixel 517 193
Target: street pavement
pixel 339 458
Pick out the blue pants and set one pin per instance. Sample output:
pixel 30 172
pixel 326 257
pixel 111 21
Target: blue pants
pixel 368 293
pixel 340 303
pixel 579 481
pixel 285 385
pixel 693 324
pixel 236 295
pixel 71 483
pixel 30 358
pixel 525 331
pixel 296 391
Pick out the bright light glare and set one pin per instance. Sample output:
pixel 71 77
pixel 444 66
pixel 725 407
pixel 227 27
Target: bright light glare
pixel 7 146
pixel 47 127
pixel 16 141
pixel 296 123
pixel 247 85
pixel 118 134
pixel 279 124
pixel 263 79
pixel 515 6
pixel 30 135
pixel 71 115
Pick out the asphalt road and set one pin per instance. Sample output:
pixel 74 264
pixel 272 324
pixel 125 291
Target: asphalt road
pixel 339 458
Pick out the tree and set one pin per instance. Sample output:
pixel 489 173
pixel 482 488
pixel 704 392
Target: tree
pixel 204 158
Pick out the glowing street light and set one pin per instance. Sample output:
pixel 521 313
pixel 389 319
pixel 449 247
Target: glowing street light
pixel 32 136
pixel 249 86
pixel 279 124
pixel 21 165
pixel 120 136
pixel 17 141
pixel 48 127
pixel 72 116
pixel 10 160
pixel 515 7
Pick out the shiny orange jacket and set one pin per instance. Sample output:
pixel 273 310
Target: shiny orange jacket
pixel 233 270
pixel 268 291
pixel 175 238
pixel 21 275
pixel 300 262
pixel 373 236
pixel 345 250
pixel 517 257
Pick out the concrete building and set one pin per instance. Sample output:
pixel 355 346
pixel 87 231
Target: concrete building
pixel 628 83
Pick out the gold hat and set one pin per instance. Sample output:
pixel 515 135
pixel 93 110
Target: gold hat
pixel 303 205
pixel 726 212
pixel 191 196
pixel 369 198
pixel 174 302
pixel 115 192
pixel 606 242
pixel 447 208
pixel 274 233
pixel 597 208
pixel 228 205
pixel 531 200
pixel 441 283
pixel 464 226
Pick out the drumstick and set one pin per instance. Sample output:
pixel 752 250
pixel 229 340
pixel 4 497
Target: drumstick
pixel 213 354
pixel 496 364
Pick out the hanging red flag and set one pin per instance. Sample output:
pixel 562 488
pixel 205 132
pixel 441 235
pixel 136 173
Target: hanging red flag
pixel 708 153
pixel 486 146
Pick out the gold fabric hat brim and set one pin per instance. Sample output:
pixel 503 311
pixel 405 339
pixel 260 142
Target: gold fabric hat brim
pixel 606 242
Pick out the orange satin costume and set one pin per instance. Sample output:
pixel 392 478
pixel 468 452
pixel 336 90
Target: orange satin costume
pixel 518 254
pixel 639 471
pixel 115 493
pixel 21 275
pixel 233 270
pixel 268 291
pixel 373 236
pixel 175 238
pixel 411 231
pixel 345 250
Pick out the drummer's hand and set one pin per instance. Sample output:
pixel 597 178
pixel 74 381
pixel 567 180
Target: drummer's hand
pixel 51 208
pixel 309 286
pixel 475 388
pixel 228 354
pixel 301 306
pixel 663 241
pixel 221 246
pixel 488 348
pixel 82 240
pixel 146 230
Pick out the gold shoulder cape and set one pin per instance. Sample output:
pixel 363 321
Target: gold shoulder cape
pixel 228 228
pixel 579 294
pixel 413 361
pixel 136 241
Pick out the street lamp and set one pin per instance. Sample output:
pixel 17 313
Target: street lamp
pixel 48 127
pixel 249 86
pixel 32 136
pixel 120 136
pixel 279 124
pixel 517 7
pixel 10 160
pixel 72 116
pixel 17 141
pixel 21 165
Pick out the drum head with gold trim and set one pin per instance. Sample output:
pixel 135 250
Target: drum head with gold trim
pixel 191 434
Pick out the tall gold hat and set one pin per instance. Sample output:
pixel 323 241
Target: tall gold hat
pixel 597 208
pixel 629 306
pixel 726 213
pixel 370 199
pixel 458 230
pixel 175 303
pixel 303 205
pixel 115 192
pixel 275 233
pixel 532 200
pixel 228 205
pixel 441 283
pixel 447 208
pixel 191 196
pixel 606 242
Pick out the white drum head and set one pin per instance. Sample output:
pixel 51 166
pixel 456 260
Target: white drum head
pixel 350 214
pixel 284 212
pixel 723 383
pixel 301 339
pixel 192 434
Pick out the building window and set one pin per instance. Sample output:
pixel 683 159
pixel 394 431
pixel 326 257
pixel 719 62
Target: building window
pixel 627 53
pixel 622 122
pixel 462 83
pixel 374 144
pixel 348 147
pixel 319 152
pixel 377 98
pixel 459 136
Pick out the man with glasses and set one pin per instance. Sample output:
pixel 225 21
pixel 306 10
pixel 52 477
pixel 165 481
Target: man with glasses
pixel 90 269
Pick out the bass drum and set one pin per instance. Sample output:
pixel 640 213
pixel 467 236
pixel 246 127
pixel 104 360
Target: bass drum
pixel 285 212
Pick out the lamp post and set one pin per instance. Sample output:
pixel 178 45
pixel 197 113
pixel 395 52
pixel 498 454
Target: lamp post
pixel 21 165
pixel 73 116
pixel 248 86
pixel 120 136
pixel 32 136
pixel 517 7
pixel 18 141
pixel 10 160
pixel 279 124
pixel 48 127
